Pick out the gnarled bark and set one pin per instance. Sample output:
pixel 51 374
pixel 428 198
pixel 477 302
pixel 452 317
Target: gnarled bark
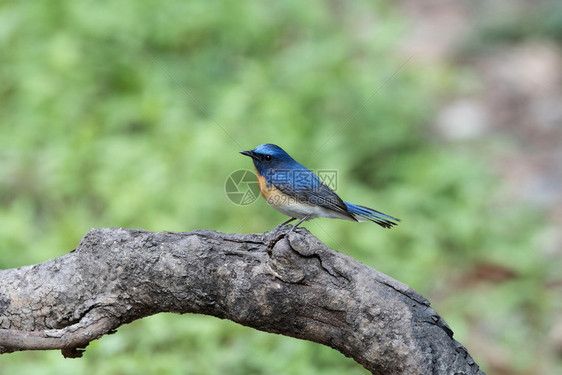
pixel 292 285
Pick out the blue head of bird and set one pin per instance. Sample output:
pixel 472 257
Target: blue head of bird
pixel 269 157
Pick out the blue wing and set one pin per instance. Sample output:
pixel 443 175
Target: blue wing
pixel 305 186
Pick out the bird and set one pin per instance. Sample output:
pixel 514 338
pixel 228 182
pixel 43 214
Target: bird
pixel 297 192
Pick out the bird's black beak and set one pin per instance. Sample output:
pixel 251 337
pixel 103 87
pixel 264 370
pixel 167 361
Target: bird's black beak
pixel 251 154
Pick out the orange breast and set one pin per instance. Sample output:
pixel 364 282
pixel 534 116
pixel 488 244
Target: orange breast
pixel 264 190
pixel 271 194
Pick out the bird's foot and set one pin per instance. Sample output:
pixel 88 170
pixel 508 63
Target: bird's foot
pixel 281 228
pixel 277 234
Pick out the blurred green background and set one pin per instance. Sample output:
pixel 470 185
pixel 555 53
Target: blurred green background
pixel 132 113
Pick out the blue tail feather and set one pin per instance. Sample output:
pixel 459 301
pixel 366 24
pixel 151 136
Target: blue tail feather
pixel 366 213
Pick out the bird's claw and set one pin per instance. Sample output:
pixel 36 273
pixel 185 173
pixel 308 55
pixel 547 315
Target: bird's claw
pixel 278 233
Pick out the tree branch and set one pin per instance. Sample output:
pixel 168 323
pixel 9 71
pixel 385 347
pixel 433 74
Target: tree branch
pixel 296 286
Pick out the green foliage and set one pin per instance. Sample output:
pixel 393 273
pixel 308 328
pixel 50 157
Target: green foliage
pixel 131 114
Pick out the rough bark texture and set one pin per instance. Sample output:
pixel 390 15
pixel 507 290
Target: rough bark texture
pixel 293 285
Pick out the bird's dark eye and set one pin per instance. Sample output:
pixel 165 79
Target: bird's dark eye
pixel 268 157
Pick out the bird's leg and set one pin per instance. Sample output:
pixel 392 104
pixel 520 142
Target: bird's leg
pixel 274 230
pixel 287 222
pixel 299 223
